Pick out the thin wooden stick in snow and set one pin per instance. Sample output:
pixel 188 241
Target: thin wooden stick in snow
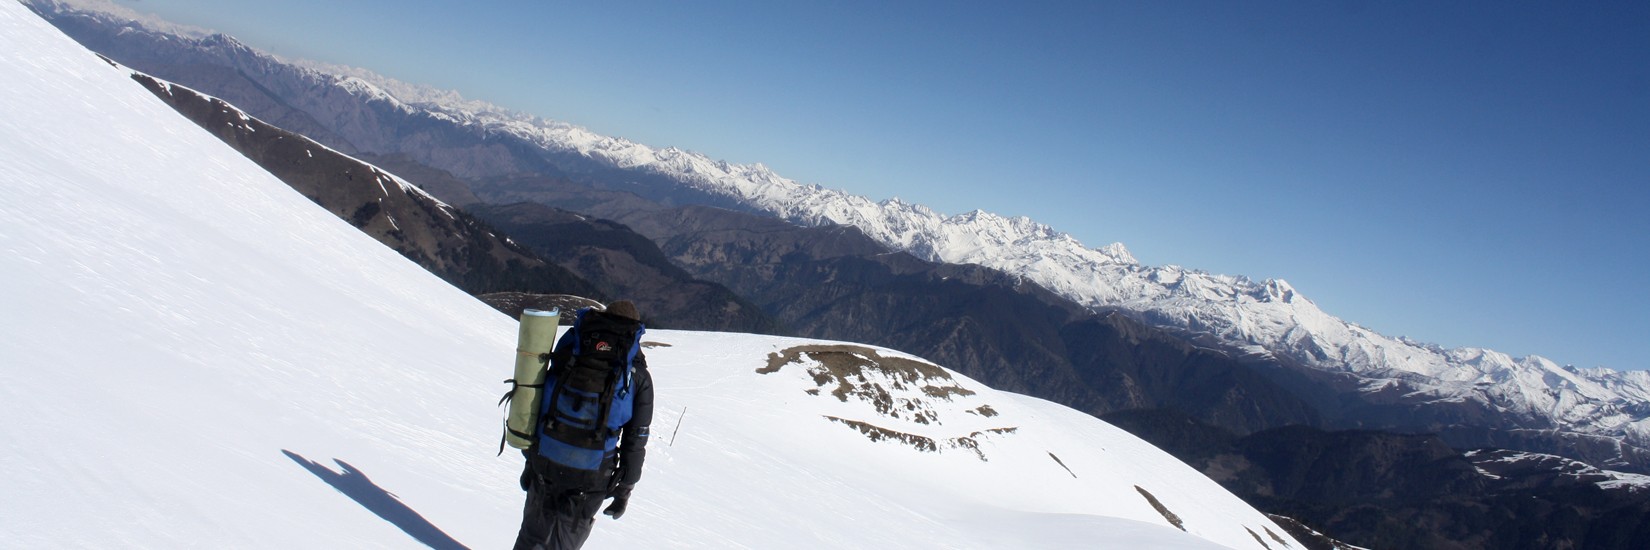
pixel 678 428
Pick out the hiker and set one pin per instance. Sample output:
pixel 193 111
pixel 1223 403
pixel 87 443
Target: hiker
pixel 598 402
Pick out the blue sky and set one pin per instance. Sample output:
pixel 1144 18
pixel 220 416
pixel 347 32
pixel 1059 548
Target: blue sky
pixel 1464 173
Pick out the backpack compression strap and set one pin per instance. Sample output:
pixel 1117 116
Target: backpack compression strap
pixel 590 438
pixel 544 358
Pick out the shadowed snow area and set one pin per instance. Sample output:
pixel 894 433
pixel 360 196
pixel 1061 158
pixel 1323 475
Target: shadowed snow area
pixel 198 356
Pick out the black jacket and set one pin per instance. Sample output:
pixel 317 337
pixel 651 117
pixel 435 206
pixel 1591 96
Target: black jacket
pixel 633 440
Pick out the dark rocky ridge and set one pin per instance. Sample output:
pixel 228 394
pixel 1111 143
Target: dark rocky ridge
pixel 438 183
pixel 624 263
pixel 1384 490
pixel 514 303
pixel 465 251
pixel 448 242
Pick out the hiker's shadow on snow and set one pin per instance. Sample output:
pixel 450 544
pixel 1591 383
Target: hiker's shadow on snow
pixel 354 484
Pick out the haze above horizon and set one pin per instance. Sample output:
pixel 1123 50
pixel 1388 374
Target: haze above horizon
pixel 1469 174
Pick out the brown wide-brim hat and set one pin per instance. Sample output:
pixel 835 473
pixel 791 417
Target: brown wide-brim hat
pixel 624 308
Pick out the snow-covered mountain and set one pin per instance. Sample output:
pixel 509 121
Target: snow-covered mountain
pixel 1597 407
pixel 1541 469
pixel 1266 317
pixel 198 356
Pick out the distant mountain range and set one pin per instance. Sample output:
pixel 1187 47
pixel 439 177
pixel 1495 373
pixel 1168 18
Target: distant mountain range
pixel 717 246
pixel 1263 318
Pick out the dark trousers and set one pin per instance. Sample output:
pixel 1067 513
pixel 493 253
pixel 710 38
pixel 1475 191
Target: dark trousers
pixel 557 522
pixel 561 509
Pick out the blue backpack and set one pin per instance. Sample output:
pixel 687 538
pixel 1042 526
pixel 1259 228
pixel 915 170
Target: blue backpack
pixel 588 398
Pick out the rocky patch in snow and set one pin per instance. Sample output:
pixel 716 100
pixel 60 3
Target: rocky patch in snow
pixel 898 390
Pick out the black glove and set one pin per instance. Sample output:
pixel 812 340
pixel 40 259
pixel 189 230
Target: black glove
pixel 621 496
pixel 527 466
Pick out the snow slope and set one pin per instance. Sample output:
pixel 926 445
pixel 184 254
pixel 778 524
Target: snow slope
pixel 197 356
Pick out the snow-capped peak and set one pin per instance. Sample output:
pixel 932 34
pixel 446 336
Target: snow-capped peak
pixel 361 87
pixel 224 41
pixel 1270 314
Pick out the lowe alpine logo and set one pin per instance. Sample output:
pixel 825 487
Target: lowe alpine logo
pixel 604 346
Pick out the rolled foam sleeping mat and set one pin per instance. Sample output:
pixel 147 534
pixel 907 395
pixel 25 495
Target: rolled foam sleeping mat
pixel 535 338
